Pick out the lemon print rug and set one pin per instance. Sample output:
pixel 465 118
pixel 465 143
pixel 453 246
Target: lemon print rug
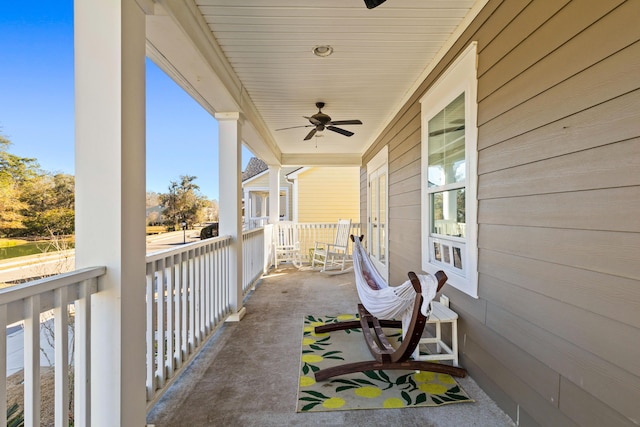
pixel 363 390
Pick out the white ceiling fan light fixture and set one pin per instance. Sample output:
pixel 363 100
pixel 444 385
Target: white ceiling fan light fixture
pixel 322 50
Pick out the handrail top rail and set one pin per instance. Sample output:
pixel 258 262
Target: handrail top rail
pixel 47 284
pixel 164 253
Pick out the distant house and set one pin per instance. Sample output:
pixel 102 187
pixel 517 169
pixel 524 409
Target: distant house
pixel 255 189
pixel 309 194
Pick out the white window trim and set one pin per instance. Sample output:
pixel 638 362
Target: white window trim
pixel 460 77
pixel 379 161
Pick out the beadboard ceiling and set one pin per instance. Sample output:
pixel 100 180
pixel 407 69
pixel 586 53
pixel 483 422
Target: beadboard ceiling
pixel 379 55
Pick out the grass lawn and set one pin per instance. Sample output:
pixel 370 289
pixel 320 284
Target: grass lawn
pixel 156 229
pixel 8 243
pixel 12 248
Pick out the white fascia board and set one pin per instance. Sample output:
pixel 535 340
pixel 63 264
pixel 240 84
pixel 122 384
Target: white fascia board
pixel 294 174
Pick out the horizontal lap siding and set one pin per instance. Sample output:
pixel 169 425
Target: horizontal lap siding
pixel 559 197
pixel 404 197
pixel 554 335
pixel 328 194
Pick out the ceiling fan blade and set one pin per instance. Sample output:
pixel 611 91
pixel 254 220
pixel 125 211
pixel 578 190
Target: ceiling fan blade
pixel 338 130
pixel 373 3
pixel 446 130
pixel 310 134
pixel 294 127
pixel 313 120
pixel 345 122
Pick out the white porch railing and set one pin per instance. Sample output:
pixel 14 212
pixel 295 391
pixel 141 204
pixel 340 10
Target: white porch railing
pixel 255 249
pixel 194 284
pixel 188 298
pixel 26 303
pixel 309 233
pixel 256 222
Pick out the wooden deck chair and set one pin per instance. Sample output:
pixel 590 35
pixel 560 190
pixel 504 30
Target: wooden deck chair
pixel 286 244
pixel 333 255
pixel 381 306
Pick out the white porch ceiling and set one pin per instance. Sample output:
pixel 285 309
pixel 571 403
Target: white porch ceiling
pixel 379 56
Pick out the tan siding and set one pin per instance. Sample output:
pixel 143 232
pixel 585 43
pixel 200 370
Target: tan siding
pixel 514 361
pixel 597 168
pixel 520 19
pixel 329 194
pixel 553 33
pixel 564 318
pixel 475 308
pixel 582 249
pixel 612 121
pixel 556 326
pixel 363 198
pixel 610 384
pixel 502 399
pixel 605 80
pixel 587 410
pixel 577 54
pixel 614 209
pixel 547 413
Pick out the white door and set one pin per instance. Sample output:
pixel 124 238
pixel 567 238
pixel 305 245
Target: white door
pixel 377 173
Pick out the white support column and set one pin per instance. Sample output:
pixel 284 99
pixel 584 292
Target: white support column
pixel 230 210
pixel 263 205
pixel 110 193
pixel 274 194
pixel 248 206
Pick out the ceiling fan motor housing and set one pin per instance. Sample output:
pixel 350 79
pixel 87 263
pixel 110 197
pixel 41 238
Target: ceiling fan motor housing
pixel 321 117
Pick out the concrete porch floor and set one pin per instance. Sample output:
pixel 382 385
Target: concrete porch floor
pixel 247 374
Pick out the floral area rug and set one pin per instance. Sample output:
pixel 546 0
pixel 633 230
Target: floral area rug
pixel 364 390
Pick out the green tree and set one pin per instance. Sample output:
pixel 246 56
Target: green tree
pixel 183 202
pixel 32 201
pixel 14 172
pixel 51 202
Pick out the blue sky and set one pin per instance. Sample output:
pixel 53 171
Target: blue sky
pixel 37 107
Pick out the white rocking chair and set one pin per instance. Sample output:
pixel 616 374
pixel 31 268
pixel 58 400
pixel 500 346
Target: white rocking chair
pixel 286 244
pixel 333 255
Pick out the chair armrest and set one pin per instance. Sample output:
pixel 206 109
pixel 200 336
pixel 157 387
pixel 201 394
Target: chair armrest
pixel 322 244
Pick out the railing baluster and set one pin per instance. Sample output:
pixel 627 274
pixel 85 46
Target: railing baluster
pixel 169 330
pixel 27 303
pixel 193 298
pixel 211 284
pixel 185 305
pixel 209 280
pixel 3 363
pixel 188 296
pixel 61 336
pixel 192 303
pixel 32 361
pixel 150 335
pixel 160 325
pixel 177 333
pixel 82 376
pixel 219 288
pixel 202 298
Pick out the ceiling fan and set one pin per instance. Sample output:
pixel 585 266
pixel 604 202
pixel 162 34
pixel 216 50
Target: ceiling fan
pixel 321 121
pixel 373 3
